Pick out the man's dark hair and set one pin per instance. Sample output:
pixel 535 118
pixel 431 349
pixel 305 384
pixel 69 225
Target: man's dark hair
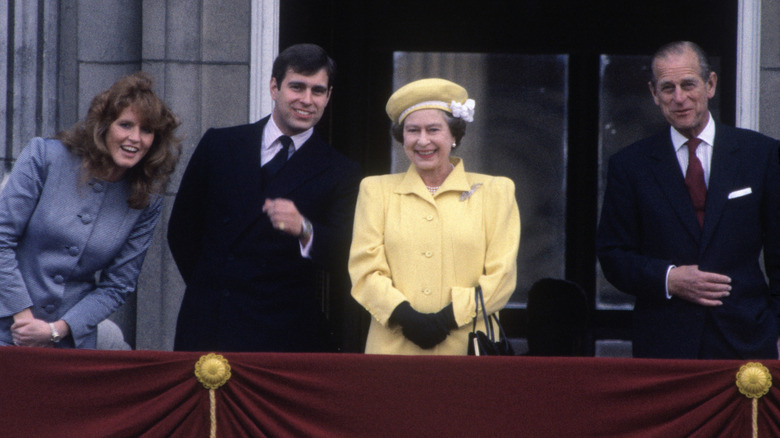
pixel 305 59
pixel 677 48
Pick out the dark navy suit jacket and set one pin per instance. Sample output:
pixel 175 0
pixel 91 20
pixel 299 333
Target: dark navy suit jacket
pixel 248 287
pixel 648 223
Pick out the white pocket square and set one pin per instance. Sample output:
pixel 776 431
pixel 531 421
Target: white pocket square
pixel 741 192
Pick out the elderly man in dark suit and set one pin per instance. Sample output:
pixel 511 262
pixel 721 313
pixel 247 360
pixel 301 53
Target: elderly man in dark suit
pixel 686 215
pixel 261 209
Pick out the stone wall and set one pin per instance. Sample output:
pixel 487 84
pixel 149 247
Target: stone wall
pixel 28 68
pixel 769 117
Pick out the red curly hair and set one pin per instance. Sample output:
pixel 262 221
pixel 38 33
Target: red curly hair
pixel 86 138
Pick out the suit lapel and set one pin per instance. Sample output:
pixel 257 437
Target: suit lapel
pixel 246 175
pixel 306 163
pixel 668 175
pixel 723 169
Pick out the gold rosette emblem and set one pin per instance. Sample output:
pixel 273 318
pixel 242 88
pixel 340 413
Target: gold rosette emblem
pixel 212 370
pixel 754 380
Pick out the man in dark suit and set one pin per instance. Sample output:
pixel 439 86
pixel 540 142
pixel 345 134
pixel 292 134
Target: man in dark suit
pixel 686 215
pixel 261 210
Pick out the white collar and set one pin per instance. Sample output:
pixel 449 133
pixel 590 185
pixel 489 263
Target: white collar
pixel 707 135
pixel 271 132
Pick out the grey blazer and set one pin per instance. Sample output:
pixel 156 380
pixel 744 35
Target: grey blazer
pixel 71 250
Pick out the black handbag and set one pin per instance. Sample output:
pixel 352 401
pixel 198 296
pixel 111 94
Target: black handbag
pixel 485 344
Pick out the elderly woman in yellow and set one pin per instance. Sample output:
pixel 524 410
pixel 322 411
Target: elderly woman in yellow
pixel 424 240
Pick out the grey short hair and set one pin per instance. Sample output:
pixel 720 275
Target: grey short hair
pixel 677 48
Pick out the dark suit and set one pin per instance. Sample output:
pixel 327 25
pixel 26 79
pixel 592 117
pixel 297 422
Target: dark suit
pixel 248 287
pixel 648 223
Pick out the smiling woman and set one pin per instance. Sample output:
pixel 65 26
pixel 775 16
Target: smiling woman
pixel 128 142
pixel 84 203
pixel 424 241
pixel 427 142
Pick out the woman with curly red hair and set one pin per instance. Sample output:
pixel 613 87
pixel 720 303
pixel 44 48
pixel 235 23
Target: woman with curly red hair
pixel 78 213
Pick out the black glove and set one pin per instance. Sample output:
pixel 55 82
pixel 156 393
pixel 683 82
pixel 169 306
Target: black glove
pixel 427 330
pixel 446 317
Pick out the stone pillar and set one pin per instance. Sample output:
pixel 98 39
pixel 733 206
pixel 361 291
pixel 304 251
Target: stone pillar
pixel 28 66
pixel 770 68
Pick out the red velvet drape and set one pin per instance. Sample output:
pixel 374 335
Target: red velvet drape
pixel 57 393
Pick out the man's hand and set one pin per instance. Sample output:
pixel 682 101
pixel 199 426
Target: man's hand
pixel 284 215
pixel 699 287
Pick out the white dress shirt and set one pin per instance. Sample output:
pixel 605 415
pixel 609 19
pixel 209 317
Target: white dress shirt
pixel 703 153
pixel 270 143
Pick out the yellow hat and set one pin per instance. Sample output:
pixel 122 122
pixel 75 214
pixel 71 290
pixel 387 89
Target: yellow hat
pixel 430 93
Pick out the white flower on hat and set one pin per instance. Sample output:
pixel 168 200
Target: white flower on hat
pixel 463 111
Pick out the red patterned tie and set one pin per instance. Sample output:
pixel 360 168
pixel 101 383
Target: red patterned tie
pixel 694 180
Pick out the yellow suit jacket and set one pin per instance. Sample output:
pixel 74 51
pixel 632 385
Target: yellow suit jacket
pixel 432 250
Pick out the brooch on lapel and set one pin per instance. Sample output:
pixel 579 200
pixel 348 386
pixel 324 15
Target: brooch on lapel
pixel 465 195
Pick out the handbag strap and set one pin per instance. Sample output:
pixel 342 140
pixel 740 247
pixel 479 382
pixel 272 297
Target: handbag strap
pixel 500 327
pixel 480 303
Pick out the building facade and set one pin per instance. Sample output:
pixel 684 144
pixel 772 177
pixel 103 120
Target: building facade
pixel 211 61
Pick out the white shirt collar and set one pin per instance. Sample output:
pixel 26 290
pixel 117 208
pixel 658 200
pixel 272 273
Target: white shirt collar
pixel 707 135
pixel 272 132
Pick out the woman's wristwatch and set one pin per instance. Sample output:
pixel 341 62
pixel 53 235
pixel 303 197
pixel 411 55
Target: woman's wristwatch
pixel 55 335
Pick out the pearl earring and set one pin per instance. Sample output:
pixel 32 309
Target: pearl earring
pixel 454 145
